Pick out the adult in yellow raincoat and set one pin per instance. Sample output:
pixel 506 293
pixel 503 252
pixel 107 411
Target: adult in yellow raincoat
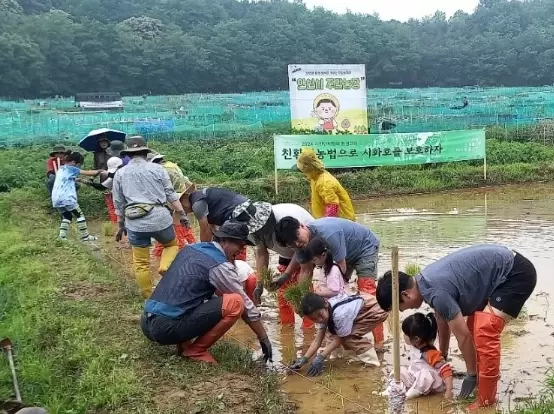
pixel 329 198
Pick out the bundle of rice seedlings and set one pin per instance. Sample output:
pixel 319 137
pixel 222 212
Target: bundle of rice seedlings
pixel 108 229
pixel 412 269
pixel 266 277
pixel 295 293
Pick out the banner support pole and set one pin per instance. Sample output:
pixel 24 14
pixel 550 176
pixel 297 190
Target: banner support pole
pixel 275 164
pixel 485 167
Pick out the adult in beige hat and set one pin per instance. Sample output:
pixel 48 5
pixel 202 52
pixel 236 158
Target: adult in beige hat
pixel 182 185
pixel 141 191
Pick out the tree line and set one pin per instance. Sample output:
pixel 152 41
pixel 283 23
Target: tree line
pixel 60 47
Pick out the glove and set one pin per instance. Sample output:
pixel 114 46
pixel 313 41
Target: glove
pixel 267 349
pixel 331 210
pixel 316 367
pixel 298 363
pixel 279 281
pixel 258 293
pixel 184 220
pixel 468 385
pixel 120 231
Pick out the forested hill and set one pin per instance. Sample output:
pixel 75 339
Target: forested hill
pixel 50 47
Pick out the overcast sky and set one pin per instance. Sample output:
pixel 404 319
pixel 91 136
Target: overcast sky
pixel 396 9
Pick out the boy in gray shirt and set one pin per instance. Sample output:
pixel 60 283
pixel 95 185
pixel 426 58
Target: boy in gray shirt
pixel 487 283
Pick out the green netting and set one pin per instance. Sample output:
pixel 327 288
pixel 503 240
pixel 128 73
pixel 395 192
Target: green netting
pixel 411 110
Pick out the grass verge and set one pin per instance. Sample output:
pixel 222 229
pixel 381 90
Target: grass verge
pixel 79 348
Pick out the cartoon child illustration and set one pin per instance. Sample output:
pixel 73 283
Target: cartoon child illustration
pixel 326 109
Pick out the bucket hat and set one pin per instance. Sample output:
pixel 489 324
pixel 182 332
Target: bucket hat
pixel 59 148
pixel 136 144
pixel 254 215
pixel 233 230
pixel 115 148
pixel 154 156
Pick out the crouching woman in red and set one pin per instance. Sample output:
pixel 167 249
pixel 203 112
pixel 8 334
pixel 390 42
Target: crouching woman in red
pixel 183 305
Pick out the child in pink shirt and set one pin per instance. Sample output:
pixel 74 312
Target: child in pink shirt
pixel 334 283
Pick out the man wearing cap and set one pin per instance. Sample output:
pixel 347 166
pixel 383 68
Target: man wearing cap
pixel 140 192
pixel 213 206
pixel 265 240
pixel 183 305
pixel 182 186
pixel 53 164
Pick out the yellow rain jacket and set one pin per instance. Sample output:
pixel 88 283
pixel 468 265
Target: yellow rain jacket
pixel 326 189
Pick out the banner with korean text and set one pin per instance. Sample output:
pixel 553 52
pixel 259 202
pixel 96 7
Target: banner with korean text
pixel 345 151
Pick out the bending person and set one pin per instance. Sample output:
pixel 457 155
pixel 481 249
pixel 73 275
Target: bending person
pixel 183 186
pixel 178 310
pixel 487 283
pixel 353 246
pixel 213 206
pixel 289 268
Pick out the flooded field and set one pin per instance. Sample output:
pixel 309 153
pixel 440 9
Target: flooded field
pixel 427 227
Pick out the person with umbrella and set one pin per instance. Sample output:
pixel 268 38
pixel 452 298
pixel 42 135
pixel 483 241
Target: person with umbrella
pixel 97 141
pixel 141 191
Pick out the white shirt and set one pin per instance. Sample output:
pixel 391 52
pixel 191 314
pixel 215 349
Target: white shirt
pixel 343 315
pixel 244 270
pixel 281 211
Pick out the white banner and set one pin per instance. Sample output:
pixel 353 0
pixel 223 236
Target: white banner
pixel 328 98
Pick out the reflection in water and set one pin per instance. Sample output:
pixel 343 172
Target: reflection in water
pixel 426 228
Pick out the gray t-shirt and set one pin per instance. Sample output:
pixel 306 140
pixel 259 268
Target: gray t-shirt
pixel 464 280
pixel 348 240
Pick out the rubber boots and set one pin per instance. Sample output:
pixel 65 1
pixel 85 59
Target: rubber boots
pixel 367 285
pixel 184 237
pixel 487 330
pixel 470 322
pixel 369 357
pixel 168 255
pixel 141 262
pixel 231 310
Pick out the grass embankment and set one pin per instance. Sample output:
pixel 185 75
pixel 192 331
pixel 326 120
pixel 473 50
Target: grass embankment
pixel 246 165
pixel 78 344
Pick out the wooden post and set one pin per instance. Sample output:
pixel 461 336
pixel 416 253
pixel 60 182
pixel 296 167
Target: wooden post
pixel 395 315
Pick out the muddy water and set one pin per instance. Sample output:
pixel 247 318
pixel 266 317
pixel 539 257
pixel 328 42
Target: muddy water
pixel 426 228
